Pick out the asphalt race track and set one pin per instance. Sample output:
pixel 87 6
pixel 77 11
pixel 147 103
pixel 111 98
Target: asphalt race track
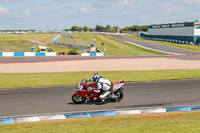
pixel 29 101
pixel 72 58
pixel 63 58
pixel 156 46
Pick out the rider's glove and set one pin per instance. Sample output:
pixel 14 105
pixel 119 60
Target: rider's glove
pixel 90 80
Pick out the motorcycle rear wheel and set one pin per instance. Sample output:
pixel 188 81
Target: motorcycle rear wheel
pixel 77 99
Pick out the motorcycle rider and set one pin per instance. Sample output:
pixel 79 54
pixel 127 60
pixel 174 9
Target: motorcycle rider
pixel 102 84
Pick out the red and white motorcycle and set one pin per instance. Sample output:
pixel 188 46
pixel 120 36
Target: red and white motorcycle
pixel 83 95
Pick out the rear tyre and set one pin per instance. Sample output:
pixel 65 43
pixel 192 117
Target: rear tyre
pixel 77 99
pixel 119 94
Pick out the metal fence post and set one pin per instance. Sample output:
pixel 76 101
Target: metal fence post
pixel 94 43
pixel 35 46
pixel 23 47
pixel 9 46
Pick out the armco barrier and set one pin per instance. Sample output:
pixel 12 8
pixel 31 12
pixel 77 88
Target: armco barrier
pixel 169 40
pixel 145 110
pixel 7 53
pixel 27 54
pixel 18 53
pixel 92 54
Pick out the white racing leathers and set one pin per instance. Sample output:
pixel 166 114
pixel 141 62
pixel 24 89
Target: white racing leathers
pixel 105 85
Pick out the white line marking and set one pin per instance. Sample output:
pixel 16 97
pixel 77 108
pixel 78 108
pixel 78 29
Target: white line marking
pixel 149 48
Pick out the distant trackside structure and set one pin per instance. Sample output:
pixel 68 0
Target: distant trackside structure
pixel 186 32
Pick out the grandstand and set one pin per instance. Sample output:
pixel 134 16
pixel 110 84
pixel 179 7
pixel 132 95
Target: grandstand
pixel 186 32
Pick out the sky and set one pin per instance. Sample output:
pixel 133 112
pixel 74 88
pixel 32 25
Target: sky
pixel 63 14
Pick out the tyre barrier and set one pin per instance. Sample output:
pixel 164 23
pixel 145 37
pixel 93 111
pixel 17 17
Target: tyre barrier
pixel 129 111
pixel 169 40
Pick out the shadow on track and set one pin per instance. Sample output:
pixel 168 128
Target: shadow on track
pixel 91 103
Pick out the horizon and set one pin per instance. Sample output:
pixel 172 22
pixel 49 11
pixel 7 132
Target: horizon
pixel 63 14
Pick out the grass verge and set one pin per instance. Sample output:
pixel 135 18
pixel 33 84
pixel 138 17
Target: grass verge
pixel 19 42
pixel 25 80
pixel 113 46
pixel 183 46
pixel 184 122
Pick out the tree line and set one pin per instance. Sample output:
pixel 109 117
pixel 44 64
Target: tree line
pixel 136 28
pixel 108 28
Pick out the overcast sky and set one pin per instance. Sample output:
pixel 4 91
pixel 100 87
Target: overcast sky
pixel 61 14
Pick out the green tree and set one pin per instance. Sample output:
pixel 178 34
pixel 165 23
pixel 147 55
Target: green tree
pixel 100 28
pixel 85 28
pixel 80 29
pixel 144 28
pixel 74 28
pixel 135 28
pixel 67 29
pixel 97 28
pixel 92 29
pixel 108 28
pixel 127 28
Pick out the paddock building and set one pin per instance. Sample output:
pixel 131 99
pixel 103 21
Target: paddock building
pixel 186 32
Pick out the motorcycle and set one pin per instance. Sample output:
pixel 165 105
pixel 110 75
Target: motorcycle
pixel 83 95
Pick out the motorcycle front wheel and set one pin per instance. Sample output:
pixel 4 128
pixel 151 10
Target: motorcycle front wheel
pixel 78 99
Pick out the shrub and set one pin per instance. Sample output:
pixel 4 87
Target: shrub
pixel 72 52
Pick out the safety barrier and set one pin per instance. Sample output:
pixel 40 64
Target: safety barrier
pixel 92 54
pixel 168 40
pixel 19 119
pixel 27 54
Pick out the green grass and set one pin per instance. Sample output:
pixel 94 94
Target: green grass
pixel 182 122
pixel 113 46
pixel 46 37
pixel 63 49
pixel 23 80
pixel 16 46
pixel 183 46
pixel 16 40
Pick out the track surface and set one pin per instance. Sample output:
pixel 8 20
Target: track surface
pixel 139 94
pixel 156 46
pixel 63 58
pixel 72 58
pixel 142 94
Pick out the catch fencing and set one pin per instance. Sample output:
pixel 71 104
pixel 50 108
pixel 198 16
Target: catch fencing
pixel 71 43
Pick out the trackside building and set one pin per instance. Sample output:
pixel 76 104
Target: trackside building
pixel 187 32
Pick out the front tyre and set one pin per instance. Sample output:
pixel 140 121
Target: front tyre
pixel 78 99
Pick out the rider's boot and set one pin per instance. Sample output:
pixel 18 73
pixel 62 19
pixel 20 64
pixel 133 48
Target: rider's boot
pixel 113 96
